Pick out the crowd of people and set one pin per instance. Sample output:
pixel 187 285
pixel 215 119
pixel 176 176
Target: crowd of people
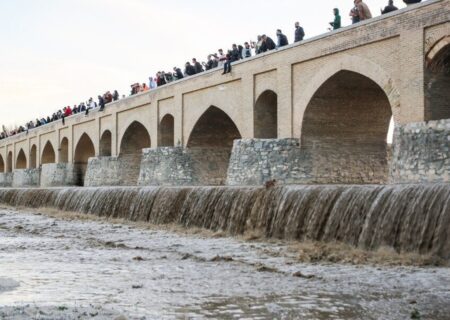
pixel 221 59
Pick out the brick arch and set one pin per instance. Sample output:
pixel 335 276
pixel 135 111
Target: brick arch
pixel 210 143
pixel 48 153
pixel 33 157
pixel 2 164
pixel 105 144
pixel 9 162
pixel 166 131
pixel 437 81
pixel 358 65
pixel 344 130
pixel 83 151
pixel 21 160
pixel 135 138
pixel 266 115
pixel 64 150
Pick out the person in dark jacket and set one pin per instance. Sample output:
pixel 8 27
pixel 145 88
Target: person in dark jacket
pixel 282 39
pixel 178 73
pixel 268 42
pixel 299 32
pixel 197 65
pixel 389 8
pixel 101 103
pixel 336 24
pixel 210 64
pixel 189 69
pixel 115 95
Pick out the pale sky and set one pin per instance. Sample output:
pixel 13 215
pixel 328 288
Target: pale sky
pixel 56 53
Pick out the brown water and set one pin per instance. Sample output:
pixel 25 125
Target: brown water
pixel 409 218
pixel 58 269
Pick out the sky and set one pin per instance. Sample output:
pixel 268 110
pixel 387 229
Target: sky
pixel 56 53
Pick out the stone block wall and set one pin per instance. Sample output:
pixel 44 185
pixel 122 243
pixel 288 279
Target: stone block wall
pixel 58 175
pixel 421 153
pixel 26 178
pixel 256 161
pixel 170 166
pixel 6 179
pixel 113 171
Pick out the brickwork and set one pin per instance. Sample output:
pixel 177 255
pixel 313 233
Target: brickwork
pixel 26 178
pixel 58 175
pixel 113 171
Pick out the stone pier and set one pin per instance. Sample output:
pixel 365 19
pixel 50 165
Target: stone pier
pixel 26 178
pixel 58 175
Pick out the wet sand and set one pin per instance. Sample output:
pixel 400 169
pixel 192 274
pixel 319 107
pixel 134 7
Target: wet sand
pixel 54 268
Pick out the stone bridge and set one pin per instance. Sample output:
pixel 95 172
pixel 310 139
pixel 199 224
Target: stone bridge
pixel 313 112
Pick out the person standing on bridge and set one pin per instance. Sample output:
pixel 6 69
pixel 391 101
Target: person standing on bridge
pixel 389 8
pixel 299 32
pixel 282 39
pixel 101 103
pixel 197 65
pixel 189 69
pixel 268 43
pixel 336 24
pixel 363 10
pixel 354 14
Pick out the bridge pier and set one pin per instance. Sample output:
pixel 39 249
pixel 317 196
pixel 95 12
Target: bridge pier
pixel 58 175
pixel 6 179
pixel 26 178
pixel 113 171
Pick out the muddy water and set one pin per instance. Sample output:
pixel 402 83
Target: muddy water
pixel 58 269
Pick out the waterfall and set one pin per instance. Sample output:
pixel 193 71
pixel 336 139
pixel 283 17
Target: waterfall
pixel 408 218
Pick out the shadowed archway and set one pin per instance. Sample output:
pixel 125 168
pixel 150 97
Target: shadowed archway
pixel 344 130
pixel 33 157
pixel 437 82
pixel 2 164
pixel 21 161
pixel 135 138
pixel 64 151
pixel 9 162
pixel 106 144
pixel 266 116
pixel 166 131
pixel 48 154
pixel 210 144
pixel 83 151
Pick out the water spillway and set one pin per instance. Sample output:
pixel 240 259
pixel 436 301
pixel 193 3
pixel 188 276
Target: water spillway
pixel 408 218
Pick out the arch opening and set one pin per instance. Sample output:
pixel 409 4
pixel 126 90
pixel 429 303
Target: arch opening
pixel 33 157
pixel 166 131
pixel 64 151
pixel 210 145
pixel 437 85
pixel 135 138
pixel 9 162
pixel 106 144
pixel 83 151
pixel 48 154
pixel 2 164
pixel 266 116
pixel 345 129
pixel 21 161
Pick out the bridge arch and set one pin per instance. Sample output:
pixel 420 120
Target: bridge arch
pixel 2 164
pixel 266 116
pixel 210 144
pixel 48 154
pixel 84 150
pixel 33 157
pixel 21 161
pixel 9 162
pixel 344 130
pixel 166 131
pixel 106 144
pixel 134 139
pixel 64 151
pixel 437 81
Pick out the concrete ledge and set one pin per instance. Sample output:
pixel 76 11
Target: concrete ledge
pixel 6 179
pixel 26 178
pixel 58 175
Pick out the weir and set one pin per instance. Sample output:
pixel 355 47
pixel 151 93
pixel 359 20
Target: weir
pixel 408 218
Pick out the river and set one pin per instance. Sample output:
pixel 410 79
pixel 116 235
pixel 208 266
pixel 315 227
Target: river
pixel 56 268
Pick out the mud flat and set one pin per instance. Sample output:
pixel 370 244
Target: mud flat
pixel 54 267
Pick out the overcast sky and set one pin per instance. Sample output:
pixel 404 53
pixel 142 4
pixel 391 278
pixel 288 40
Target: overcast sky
pixel 56 53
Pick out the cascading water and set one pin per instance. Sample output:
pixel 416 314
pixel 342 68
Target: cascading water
pixel 409 218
